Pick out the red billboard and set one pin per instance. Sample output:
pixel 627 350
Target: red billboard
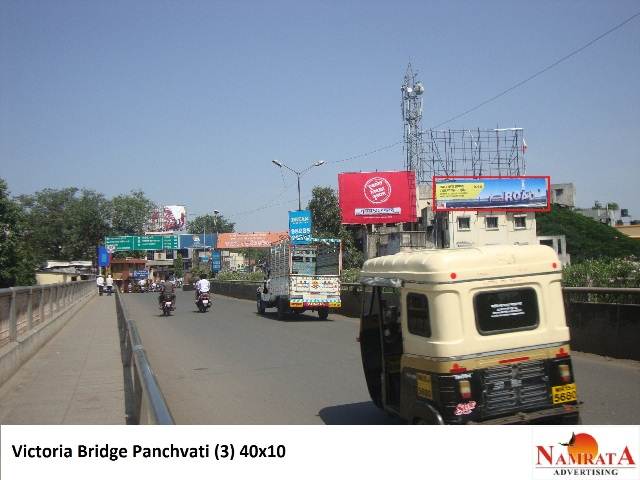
pixel 377 197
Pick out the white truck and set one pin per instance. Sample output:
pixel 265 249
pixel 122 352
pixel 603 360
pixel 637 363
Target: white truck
pixel 302 277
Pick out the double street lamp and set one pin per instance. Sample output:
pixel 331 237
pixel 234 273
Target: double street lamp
pixel 298 174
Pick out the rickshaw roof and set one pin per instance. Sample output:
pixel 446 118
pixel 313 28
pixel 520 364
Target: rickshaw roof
pixel 462 264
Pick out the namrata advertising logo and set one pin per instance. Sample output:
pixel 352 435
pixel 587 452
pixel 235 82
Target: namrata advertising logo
pixel 587 454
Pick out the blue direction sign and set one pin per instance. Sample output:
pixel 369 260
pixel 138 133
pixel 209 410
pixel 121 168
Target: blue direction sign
pixel 300 227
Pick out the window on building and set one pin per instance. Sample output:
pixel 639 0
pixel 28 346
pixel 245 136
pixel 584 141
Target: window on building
pixel 150 255
pixel 520 222
pixel 491 223
pixel 506 311
pixel 169 255
pixel 418 314
pixel 559 191
pixel 464 223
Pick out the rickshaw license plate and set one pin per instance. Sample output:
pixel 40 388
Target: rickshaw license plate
pixel 564 393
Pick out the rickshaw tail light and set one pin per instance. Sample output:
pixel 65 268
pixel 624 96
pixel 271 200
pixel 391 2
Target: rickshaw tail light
pixel 465 389
pixel 565 372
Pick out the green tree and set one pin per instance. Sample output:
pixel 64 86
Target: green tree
pixel 325 214
pixel 178 266
pixel 66 224
pixel 17 265
pixel 210 224
pixel 586 238
pixel 130 213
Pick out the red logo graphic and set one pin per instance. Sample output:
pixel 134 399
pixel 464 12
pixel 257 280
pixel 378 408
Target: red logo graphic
pixel 582 449
pixel 465 408
pixel 377 190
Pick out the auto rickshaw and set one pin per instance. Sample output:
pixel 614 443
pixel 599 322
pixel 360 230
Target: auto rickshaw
pixel 468 335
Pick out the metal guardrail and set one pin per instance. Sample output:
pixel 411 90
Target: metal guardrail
pixel 25 308
pixel 144 402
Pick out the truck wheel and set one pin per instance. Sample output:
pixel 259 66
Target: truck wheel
pixel 282 309
pixel 260 305
pixel 323 313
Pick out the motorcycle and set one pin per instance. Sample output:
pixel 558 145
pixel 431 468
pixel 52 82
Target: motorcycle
pixel 203 302
pixel 167 306
pixel 100 289
pixel 109 290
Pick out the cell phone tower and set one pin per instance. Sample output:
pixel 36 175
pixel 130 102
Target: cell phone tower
pixel 412 91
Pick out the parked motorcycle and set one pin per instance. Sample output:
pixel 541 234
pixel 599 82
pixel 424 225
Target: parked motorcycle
pixel 203 302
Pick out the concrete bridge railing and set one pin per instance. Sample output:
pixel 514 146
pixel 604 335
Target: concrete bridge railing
pixel 30 316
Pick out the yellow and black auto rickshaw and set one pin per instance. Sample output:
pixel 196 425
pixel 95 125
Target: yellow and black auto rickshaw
pixel 474 335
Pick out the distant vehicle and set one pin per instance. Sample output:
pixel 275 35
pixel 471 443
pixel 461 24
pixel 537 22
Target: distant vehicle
pixel 473 335
pixel 302 277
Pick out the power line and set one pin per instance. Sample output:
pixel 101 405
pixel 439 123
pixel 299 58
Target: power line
pixel 546 69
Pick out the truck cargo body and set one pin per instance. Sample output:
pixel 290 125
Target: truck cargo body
pixel 302 277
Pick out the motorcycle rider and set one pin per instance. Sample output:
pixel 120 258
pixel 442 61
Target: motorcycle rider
pixel 167 289
pixel 202 285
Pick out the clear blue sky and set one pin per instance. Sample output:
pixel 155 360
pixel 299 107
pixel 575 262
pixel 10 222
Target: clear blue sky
pixel 190 101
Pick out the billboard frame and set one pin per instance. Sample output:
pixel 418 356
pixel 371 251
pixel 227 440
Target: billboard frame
pixel 436 178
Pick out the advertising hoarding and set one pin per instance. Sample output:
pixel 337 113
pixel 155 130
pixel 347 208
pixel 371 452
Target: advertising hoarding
pixel 377 197
pixel 197 240
pixel 174 218
pixel 514 194
pixel 229 241
pixel 300 227
pixel 103 256
pixel 216 261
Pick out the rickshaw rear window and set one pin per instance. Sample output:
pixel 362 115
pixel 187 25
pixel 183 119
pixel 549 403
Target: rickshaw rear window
pixel 418 314
pixel 506 311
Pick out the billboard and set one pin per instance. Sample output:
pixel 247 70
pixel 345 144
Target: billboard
pixel 103 256
pixel 216 261
pixel 377 197
pixel 197 240
pixel 174 218
pixel 300 227
pixel 514 194
pixel 229 241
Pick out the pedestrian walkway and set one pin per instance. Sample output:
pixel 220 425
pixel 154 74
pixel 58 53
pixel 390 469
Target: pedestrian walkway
pixel 76 378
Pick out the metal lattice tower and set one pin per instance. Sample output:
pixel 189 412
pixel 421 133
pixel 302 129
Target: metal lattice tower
pixel 498 152
pixel 412 91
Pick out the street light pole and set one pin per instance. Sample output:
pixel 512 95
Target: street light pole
pixel 298 174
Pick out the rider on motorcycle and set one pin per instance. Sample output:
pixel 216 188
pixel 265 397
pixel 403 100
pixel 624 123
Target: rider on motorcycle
pixel 167 289
pixel 202 285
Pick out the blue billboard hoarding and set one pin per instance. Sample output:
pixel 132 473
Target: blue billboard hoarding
pixel 198 240
pixel 300 227
pixel 216 261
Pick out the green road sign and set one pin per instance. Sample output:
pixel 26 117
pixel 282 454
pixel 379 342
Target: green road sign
pixel 170 242
pixel 120 243
pixel 146 242
pixel 151 242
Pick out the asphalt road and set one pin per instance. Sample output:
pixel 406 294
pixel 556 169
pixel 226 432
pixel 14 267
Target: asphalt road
pixel 233 366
